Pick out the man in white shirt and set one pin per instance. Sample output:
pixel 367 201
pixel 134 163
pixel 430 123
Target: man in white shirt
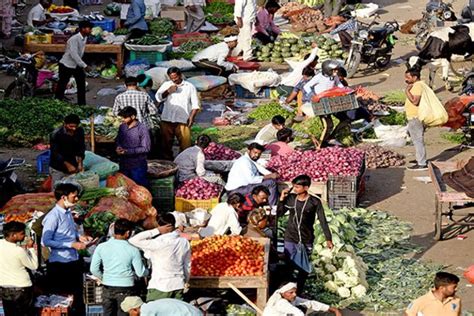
pixel 291 79
pixel 245 14
pixel 37 15
pixel 191 161
pixel 170 256
pixel 16 290
pixel 269 132
pixel 213 58
pixel 181 104
pixel 246 174
pixel 224 218
pixel 195 17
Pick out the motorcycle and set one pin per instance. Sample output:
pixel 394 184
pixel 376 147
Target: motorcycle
pixel 9 184
pixel 435 14
pixel 371 45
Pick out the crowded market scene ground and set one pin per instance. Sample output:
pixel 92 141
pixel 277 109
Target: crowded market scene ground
pixel 226 157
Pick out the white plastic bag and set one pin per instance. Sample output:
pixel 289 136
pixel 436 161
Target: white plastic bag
pixel 391 135
pixel 430 110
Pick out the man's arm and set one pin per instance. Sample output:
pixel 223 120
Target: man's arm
pixel 322 220
pixel 144 240
pixel 138 265
pixel 50 225
pixel 200 170
pixel 29 259
pixel 413 93
pixel 195 105
pixel 221 61
pixel 308 87
pixel 96 263
pixel 117 105
pixel 187 264
pixel 162 93
pixel 74 52
pixel 81 150
pixel 136 14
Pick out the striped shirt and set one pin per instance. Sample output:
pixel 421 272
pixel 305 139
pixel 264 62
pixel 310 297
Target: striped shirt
pixel 140 101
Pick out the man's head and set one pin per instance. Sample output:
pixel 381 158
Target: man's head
pixel 288 291
pixel 174 73
pixel 341 72
pixel 203 141
pixel 260 195
pixel 131 305
pixel 66 194
pixel 14 231
pixel 412 76
pixel 131 82
pixel 45 3
pixel 128 115
pixel 231 41
pixel 272 6
pixel 285 135
pixel 308 72
pixel 167 219
pixel 236 200
pixel 85 27
pixel 278 122
pixel 123 228
pixel 301 184
pixel 255 151
pixel 71 123
pixel 446 283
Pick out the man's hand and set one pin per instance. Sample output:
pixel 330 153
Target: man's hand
pixel 336 311
pixel 78 245
pixel 120 150
pixel 85 239
pixel 273 175
pixel 87 69
pixel 190 122
pixel 329 244
pixel 29 242
pixel 239 23
pixel 314 45
pixel 70 168
pixel 165 229
pixel 172 89
pixel 284 194
pixel 408 88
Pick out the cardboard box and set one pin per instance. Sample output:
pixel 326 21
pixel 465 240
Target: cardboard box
pixel 176 13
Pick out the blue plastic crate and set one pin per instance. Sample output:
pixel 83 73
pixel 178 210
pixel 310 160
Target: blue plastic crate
pixel 243 93
pixel 106 24
pixel 94 310
pixel 42 162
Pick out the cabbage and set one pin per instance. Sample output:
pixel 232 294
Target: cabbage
pixel 96 30
pixel 358 291
pixel 344 292
pixel 331 286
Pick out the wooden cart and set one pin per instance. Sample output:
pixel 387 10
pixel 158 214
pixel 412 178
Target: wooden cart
pixel 445 195
pixel 260 283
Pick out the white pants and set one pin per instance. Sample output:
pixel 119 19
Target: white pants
pixel 244 41
pixel 194 19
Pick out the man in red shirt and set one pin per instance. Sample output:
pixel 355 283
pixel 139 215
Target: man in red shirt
pixel 257 198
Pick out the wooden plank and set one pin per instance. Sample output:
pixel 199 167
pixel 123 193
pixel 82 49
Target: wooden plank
pixel 437 169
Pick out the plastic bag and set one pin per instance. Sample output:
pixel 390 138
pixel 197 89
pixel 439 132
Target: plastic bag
pixel 102 166
pixel 120 208
pixel 430 110
pixel 391 135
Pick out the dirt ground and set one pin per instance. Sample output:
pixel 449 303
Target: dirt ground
pixel 393 190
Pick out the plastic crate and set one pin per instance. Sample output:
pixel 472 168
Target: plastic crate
pixel 243 93
pixel 150 57
pixel 106 24
pixel 42 162
pixel 53 311
pixel 344 191
pixel 92 293
pixel 183 205
pixel 162 191
pixel 335 104
pixel 94 310
pixel 38 39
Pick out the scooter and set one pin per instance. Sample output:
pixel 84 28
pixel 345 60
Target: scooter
pixel 9 184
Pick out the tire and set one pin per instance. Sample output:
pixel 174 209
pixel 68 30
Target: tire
pixel 421 37
pixel 18 90
pixel 352 65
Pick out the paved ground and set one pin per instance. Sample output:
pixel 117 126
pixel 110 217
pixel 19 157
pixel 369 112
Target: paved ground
pixel 393 190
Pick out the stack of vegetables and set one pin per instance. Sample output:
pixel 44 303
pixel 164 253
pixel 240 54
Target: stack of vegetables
pixel 380 157
pixel 108 128
pixel 329 48
pixel 161 27
pixel 282 48
pixel 219 12
pixel 149 39
pixel 198 189
pixel 220 152
pixel 266 111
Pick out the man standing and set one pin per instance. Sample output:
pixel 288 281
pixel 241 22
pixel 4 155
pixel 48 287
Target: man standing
pixel 60 235
pixel 67 149
pixel 195 17
pixel 181 104
pixel 135 21
pixel 303 209
pixel 416 129
pixel 332 7
pixel 170 256
pixel 116 263
pixel 133 145
pixel 245 13
pixel 16 290
pixel 37 15
pixel 72 64
pixel 246 174
pixel 440 301
pixel 213 58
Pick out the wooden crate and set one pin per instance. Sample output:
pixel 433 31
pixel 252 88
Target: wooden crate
pixel 184 205
pixel 260 283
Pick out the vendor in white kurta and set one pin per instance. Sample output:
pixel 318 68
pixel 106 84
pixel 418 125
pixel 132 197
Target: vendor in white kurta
pixel 285 302
pixel 291 79
pixel 224 218
pixel 213 58
pixel 195 17
pixel 245 14
pixel 37 15
pixel 181 104
pixel 269 132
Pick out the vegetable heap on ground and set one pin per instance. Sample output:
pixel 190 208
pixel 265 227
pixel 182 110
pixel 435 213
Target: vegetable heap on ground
pixel 149 39
pixel 380 157
pixel 282 48
pixel 227 256
pixel 394 98
pixel 329 48
pixel 219 12
pixel 198 189
pixel 318 164
pixel 268 110
pixel 161 27
pixel 220 152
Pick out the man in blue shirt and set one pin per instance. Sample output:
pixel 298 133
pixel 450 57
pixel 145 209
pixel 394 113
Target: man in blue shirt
pixel 134 306
pixel 116 263
pixel 60 235
pixel 136 19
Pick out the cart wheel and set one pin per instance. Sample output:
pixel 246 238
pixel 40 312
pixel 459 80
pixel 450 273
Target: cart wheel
pixel 438 234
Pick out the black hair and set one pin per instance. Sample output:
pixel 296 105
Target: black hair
pixel 342 72
pixel 308 71
pixel 122 226
pixel 414 72
pixel 272 4
pixel 235 198
pixel 444 279
pixel 64 189
pixel 85 24
pixel 256 146
pixel 72 119
pixel 13 227
pixel 260 188
pixel 203 141
pixel 285 134
pixel 173 70
pixel 131 81
pixel 278 120
pixel 167 219
pixel 128 112
pixel 303 180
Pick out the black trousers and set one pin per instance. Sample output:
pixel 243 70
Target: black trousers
pixel 17 301
pixel 112 297
pixel 67 278
pixel 65 74
pixel 212 67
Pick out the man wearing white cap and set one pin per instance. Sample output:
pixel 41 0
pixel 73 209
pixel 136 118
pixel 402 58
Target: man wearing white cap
pixel 213 58
pixel 134 306
pixel 245 14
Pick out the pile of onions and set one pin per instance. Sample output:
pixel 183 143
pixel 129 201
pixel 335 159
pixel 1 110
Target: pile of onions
pixel 379 157
pixel 198 189
pixel 318 164
pixel 220 152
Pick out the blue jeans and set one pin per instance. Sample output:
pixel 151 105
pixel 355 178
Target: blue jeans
pixel 137 174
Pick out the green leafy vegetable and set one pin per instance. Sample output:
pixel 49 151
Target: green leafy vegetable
pixel 269 110
pixel 394 118
pixel 161 27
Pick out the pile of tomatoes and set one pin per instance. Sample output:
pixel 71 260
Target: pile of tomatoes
pixel 227 256
pixel 61 9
